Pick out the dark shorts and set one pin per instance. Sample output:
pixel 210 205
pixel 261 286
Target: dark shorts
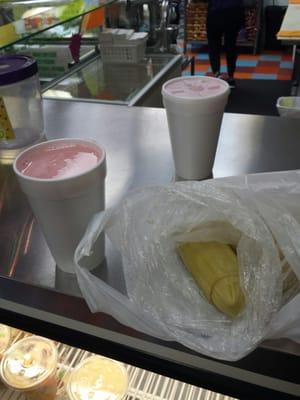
pixel 226 19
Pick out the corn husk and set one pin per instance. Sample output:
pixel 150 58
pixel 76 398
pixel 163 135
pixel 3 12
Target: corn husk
pixel 215 268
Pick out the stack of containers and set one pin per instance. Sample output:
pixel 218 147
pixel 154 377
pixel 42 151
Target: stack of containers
pixel 122 45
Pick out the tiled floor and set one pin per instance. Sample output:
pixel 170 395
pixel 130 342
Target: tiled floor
pixel 270 65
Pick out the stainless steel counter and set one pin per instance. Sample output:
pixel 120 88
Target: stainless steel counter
pixel 36 296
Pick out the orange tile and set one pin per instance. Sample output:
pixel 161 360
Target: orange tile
pixel 247 57
pixel 250 70
pixel 202 62
pixel 285 71
pixel 242 75
pixel 283 78
pixel 201 69
pixel 267 70
pixel 287 57
pixel 268 64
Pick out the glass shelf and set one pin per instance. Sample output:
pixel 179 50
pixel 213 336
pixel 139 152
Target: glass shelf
pixel 23 19
pixel 110 83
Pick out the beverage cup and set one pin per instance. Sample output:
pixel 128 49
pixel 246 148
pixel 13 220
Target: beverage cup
pixel 195 107
pixel 5 338
pixel 63 180
pixel 30 366
pixel 97 377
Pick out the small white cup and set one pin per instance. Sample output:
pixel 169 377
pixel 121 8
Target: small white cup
pixel 64 206
pixel 194 124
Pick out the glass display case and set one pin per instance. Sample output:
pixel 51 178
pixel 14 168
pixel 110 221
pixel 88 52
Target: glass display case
pixel 63 37
pixel 126 84
pixel 140 383
pixel 57 33
pixel 20 20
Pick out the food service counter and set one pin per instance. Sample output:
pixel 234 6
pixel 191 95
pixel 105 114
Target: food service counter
pixel 37 297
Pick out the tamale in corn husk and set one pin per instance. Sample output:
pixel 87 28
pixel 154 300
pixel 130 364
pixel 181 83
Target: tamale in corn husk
pixel 214 266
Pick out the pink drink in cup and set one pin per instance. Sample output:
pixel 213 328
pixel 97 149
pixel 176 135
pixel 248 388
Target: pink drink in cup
pixel 59 160
pixel 195 107
pixel 64 183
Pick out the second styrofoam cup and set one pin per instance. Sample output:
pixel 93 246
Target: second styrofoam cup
pixel 195 107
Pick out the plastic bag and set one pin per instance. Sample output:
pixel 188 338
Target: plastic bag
pixel 275 196
pixel 162 299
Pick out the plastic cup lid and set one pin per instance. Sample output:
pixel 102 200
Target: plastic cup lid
pixel 98 378
pixel 29 362
pixel 195 88
pixel 5 335
pixel 16 68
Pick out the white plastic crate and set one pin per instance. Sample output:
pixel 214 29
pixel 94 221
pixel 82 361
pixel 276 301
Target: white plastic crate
pixel 288 106
pixel 123 53
pixel 122 45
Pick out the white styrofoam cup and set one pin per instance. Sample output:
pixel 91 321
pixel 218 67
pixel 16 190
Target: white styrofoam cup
pixel 194 126
pixel 64 206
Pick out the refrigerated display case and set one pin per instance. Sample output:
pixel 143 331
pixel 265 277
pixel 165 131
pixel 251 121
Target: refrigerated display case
pixel 63 36
pixel 142 384
pixel 21 20
pixel 38 297
pixel 137 84
pixel 48 30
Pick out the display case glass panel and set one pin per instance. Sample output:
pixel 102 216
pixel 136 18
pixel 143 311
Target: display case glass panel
pixel 23 19
pixel 106 82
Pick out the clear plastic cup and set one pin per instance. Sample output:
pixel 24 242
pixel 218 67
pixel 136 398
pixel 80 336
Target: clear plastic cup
pixel 97 378
pixel 30 366
pixel 5 338
pixel 21 113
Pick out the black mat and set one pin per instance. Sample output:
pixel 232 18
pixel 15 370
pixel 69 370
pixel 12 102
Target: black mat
pixel 256 96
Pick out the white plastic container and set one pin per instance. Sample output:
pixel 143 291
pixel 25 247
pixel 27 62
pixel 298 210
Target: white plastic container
pixel 21 116
pixel 288 106
pixel 123 46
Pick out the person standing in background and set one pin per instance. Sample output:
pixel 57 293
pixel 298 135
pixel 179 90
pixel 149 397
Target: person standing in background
pixel 224 19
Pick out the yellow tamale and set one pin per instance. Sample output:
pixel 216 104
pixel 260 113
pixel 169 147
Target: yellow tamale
pixel 215 268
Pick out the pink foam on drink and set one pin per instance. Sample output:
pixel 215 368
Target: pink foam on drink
pixel 62 159
pixel 196 87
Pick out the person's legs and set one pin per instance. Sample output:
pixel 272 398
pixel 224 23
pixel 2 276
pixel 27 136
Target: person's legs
pixel 214 40
pixel 231 51
pixel 233 26
pixel 230 38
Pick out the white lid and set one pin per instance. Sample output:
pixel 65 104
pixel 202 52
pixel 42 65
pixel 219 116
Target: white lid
pixel 139 36
pixel 125 32
pixel 194 88
pixel 98 378
pixel 5 336
pixel 29 362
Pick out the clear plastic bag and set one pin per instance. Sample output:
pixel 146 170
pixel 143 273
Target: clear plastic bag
pixel 275 196
pixel 162 298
